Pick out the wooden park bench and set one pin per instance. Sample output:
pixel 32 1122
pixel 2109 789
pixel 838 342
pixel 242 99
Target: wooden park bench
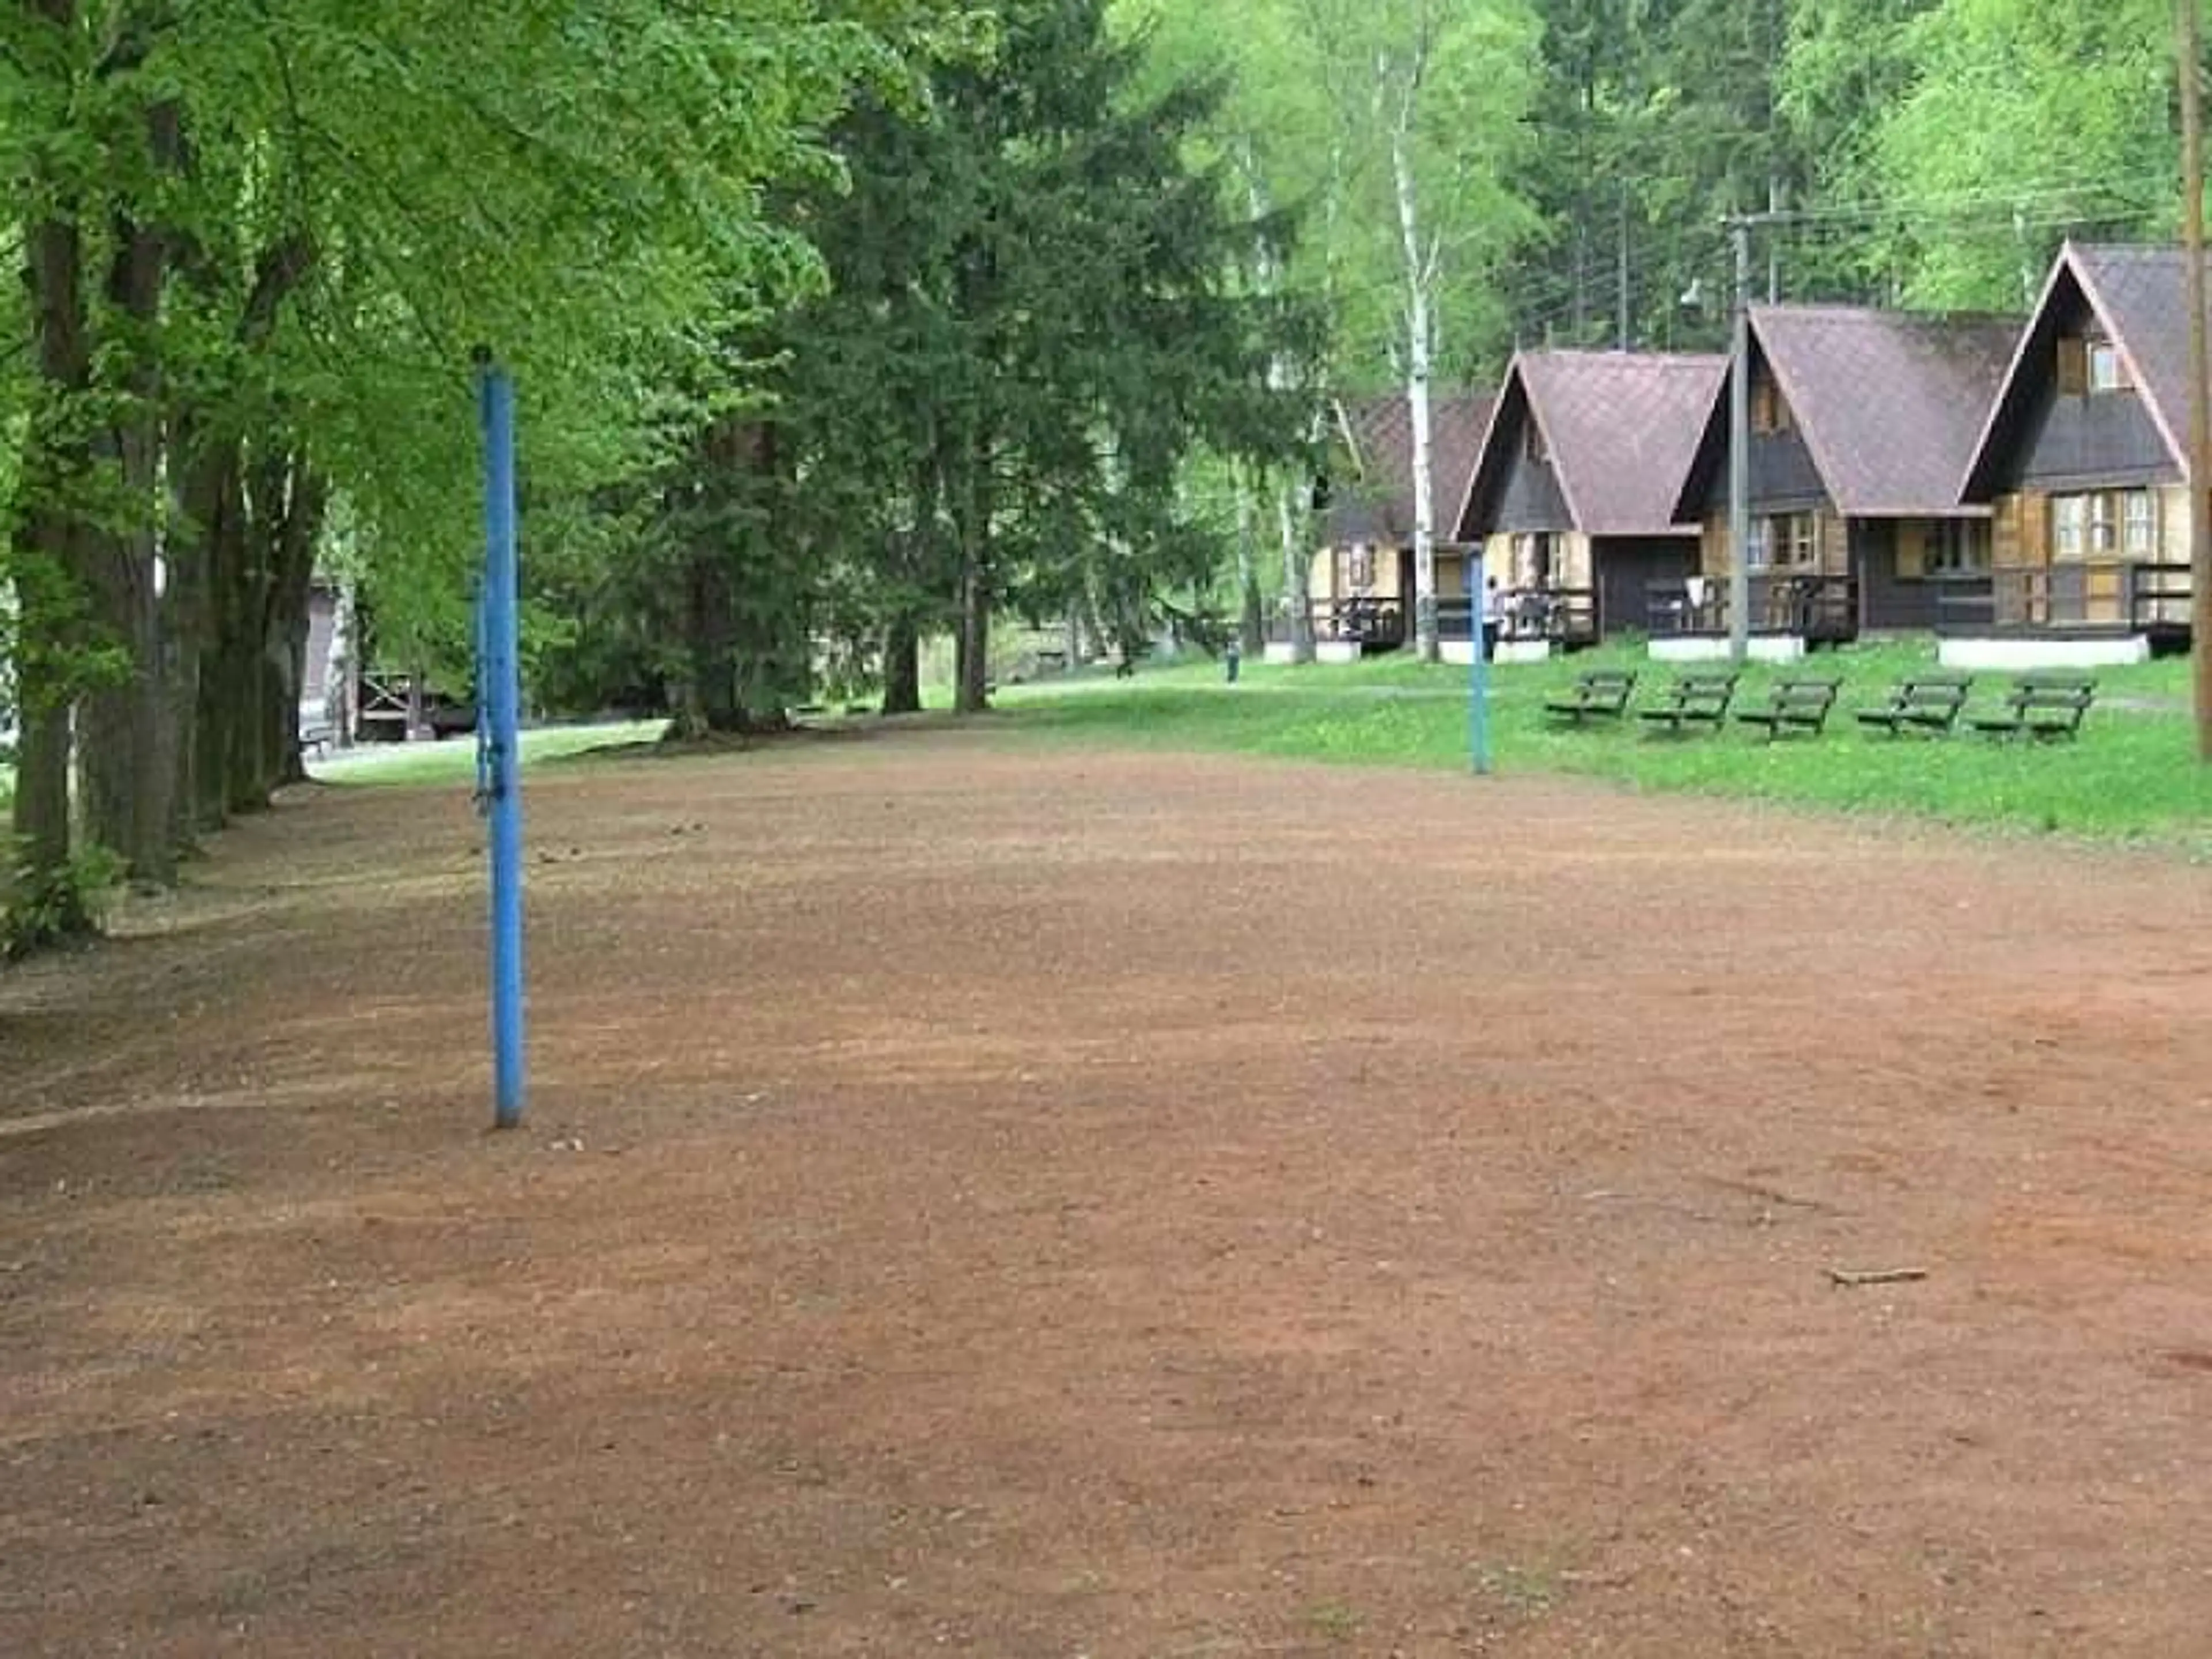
pixel 1602 693
pixel 1693 700
pixel 1924 702
pixel 1794 705
pixel 2041 706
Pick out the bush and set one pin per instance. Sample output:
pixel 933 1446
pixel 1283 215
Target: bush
pixel 43 912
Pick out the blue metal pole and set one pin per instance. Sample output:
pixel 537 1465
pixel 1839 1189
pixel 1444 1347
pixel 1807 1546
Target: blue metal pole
pixel 1478 690
pixel 500 688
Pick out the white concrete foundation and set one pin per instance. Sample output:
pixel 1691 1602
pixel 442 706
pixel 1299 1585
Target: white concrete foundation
pixel 2019 655
pixel 1337 651
pixel 1714 648
pixel 1281 651
pixel 1461 652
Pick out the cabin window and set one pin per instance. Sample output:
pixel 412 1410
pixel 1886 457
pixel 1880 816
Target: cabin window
pixel 2106 371
pixel 2091 363
pixel 1532 561
pixel 2139 523
pixel 1785 541
pixel 1957 548
pixel 1770 410
pixel 2103 524
pixel 2069 526
pixel 1796 541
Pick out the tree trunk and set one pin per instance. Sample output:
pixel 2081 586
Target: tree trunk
pixel 1297 572
pixel 44 902
pixel 241 589
pixel 1419 345
pixel 1251 624
pixel 709 645
pixel 902 667
pixel 972 669
pixel 124 741
pixel 210 546
pixel 972 658
pixel 218 602
pixel 284 624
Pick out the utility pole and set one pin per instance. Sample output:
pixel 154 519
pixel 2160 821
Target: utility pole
pixel 1740 450
pixel 1626 327
pixel 2200 369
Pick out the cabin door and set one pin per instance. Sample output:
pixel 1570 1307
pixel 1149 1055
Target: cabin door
pixel 1627 571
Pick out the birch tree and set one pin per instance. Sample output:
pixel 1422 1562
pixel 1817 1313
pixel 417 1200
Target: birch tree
pixel 1426 100
pixel 1395 126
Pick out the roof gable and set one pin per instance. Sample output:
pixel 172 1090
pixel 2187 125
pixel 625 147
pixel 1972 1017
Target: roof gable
pixel 1888 403
pixel 1378 506
pixel 1619 427
pixel 2139 297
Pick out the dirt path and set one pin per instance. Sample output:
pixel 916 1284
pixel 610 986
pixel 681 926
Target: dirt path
pixel 1011 1202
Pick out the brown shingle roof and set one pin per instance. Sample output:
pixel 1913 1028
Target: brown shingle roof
pixel 2140 296
pixel 1622 428
pixel 1890 403
pixel 1377 506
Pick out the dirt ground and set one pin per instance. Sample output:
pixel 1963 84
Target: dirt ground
pixel 1013 1201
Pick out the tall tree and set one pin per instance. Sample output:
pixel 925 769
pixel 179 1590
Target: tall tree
pixel 1032 323
pixel 2023 121
pixel 259 238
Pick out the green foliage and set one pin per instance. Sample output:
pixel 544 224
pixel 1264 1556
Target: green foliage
pixel 1925 151
pixel 1029 324
pixel 263 238
pixel 45 908
pixel 2048 114
pixel 1318 88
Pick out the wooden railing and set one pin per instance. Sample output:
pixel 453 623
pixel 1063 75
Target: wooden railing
pixel 2135 598
pixel 1562 615
pixel 1819 609
pixel 2160 598
pixel 1374 625
pixel 1565 616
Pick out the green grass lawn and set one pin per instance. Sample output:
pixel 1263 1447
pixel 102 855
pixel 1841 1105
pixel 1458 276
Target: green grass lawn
pixel 454 761
pixel 2132 775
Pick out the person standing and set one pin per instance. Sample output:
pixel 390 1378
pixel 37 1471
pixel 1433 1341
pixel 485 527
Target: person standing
pixel 1494 617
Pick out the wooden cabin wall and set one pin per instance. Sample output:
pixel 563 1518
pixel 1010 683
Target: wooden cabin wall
pixel 1332 565
pixel 1571 565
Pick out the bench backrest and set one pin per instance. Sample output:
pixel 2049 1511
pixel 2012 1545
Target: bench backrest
pixel 1934 691
pixel 1798 694
pixel 1693 687
pixel 2071 699
pixel 2051 683
pixel 1605 682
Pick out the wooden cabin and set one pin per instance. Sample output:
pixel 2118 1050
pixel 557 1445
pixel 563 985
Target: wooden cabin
pixel 1361 580
pixel 1860 422
pixel 1573 492
pixel 2082 463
